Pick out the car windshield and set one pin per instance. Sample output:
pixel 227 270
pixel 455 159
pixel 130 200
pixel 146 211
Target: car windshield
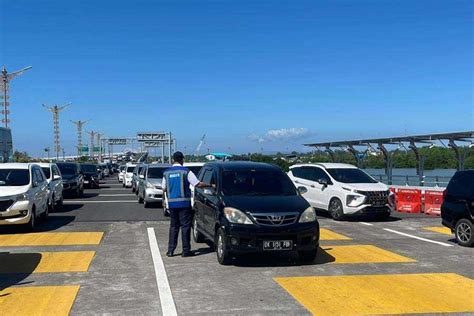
pixel 139 170
pixel 122 168
pixel 346 175
pixel 89 168
pixel 256 182
pixel 130 169
pixel 67 169
pixel 46 171
pixel 155 173
pixel 14 177
pixel 195 169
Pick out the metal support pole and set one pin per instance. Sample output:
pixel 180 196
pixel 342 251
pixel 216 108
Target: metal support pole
pixel 4 83
pixel 355 153
pixel 331 153
pixel 420 162
pixel 169 147
pixel 388 162
pixel 162 152
pixel 460 155
pixel 56 110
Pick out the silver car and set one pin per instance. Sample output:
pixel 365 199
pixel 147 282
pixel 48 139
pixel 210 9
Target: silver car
pixel 24 194
pixel 149 185
pixel 136 178
pixel 55 183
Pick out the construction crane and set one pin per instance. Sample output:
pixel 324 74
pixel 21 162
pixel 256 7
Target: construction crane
pixel 198 148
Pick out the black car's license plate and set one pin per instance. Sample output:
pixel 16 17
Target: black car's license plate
pixel 277 244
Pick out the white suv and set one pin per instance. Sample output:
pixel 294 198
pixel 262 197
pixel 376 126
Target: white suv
pixel 128 175
pixel 55 182
pixel 24 194
pixel 342 189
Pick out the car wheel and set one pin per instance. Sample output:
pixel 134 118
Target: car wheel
pixel 133 188
pixel 197 236
pixel 146 204
pixel 335 210
pixel 308 256
pixel 223 255
pixel 464 232
pixel 32 223
pixel 60 202
pixel 140 199
pixel 48 208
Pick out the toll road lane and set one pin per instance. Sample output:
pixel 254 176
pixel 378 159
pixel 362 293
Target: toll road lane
pixel 254 284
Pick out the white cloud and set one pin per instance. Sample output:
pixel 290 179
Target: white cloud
pixel 283 134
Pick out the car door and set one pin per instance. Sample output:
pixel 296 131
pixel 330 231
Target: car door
pixel 200 201
pixel 210 204
pixel 41 194
pixel 322 192
pixel 55 183
pixel 142 180
pixel 303 176
pixel 59 187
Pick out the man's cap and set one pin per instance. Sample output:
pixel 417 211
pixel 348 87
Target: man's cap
pixel 178 156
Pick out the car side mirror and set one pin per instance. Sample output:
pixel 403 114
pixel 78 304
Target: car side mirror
pixel 323 182
pixel 302 190
pixel 56 177
pixel 209 191
pixel 142 176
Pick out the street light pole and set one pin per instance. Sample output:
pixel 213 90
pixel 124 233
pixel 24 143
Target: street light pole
pixel 55 109
pixel 5 82
pixel 79 124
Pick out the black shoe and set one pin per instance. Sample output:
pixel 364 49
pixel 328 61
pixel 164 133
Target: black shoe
pixel 169 254
pixel 188 254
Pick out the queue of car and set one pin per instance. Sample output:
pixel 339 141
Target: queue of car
pixel 30 191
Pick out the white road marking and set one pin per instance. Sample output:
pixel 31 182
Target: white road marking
pixel 113 189
pixel 419 238
pixel 92 202
pixel 118 194
pixel 368 224
pixel 168 307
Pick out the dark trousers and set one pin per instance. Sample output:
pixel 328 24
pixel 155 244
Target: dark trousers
pixel 180 218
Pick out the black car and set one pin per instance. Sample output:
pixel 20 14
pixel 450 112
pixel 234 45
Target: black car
pixel 73 180
pixel 91 175
pixel 253 207
pixel 457 210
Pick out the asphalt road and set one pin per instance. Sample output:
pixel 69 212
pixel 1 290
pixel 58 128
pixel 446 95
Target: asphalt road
pixel 104 253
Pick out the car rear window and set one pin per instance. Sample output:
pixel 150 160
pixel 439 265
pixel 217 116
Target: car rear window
pixel 462 184
pixel 256 182
pixel 14 177
pixel 130 169
pixel 156 173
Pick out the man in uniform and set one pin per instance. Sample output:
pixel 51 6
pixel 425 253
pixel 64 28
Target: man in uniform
pixel 176 182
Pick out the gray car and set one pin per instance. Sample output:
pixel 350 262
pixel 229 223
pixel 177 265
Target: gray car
pixel 135 178
pixel 149 185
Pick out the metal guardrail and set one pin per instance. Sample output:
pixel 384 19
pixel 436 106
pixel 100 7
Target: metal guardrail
pixel 426 181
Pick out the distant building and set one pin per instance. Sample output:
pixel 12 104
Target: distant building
pixel 6 145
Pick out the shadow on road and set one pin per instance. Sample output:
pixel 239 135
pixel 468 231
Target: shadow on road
pixel 362 218
pixel 53 223
pixel 282 259
pixel 15 267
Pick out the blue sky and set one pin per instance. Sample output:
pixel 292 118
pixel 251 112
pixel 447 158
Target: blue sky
pixel 248 74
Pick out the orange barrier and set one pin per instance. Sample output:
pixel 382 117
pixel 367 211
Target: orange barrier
pixel 408 200
pixel 433 201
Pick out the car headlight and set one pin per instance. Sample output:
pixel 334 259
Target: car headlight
pixel 21 197
pixel 308 216
pixel 235 216
pixel 149 185
pixel 355 200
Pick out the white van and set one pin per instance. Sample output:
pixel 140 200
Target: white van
pixel 342 189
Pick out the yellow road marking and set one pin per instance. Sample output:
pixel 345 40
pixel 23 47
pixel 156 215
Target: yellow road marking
pixel 358 254
pixel 37 300
pixel 67 261
pixel 439 229
pixel 326 234
pixel 51 239
pixel 382 294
